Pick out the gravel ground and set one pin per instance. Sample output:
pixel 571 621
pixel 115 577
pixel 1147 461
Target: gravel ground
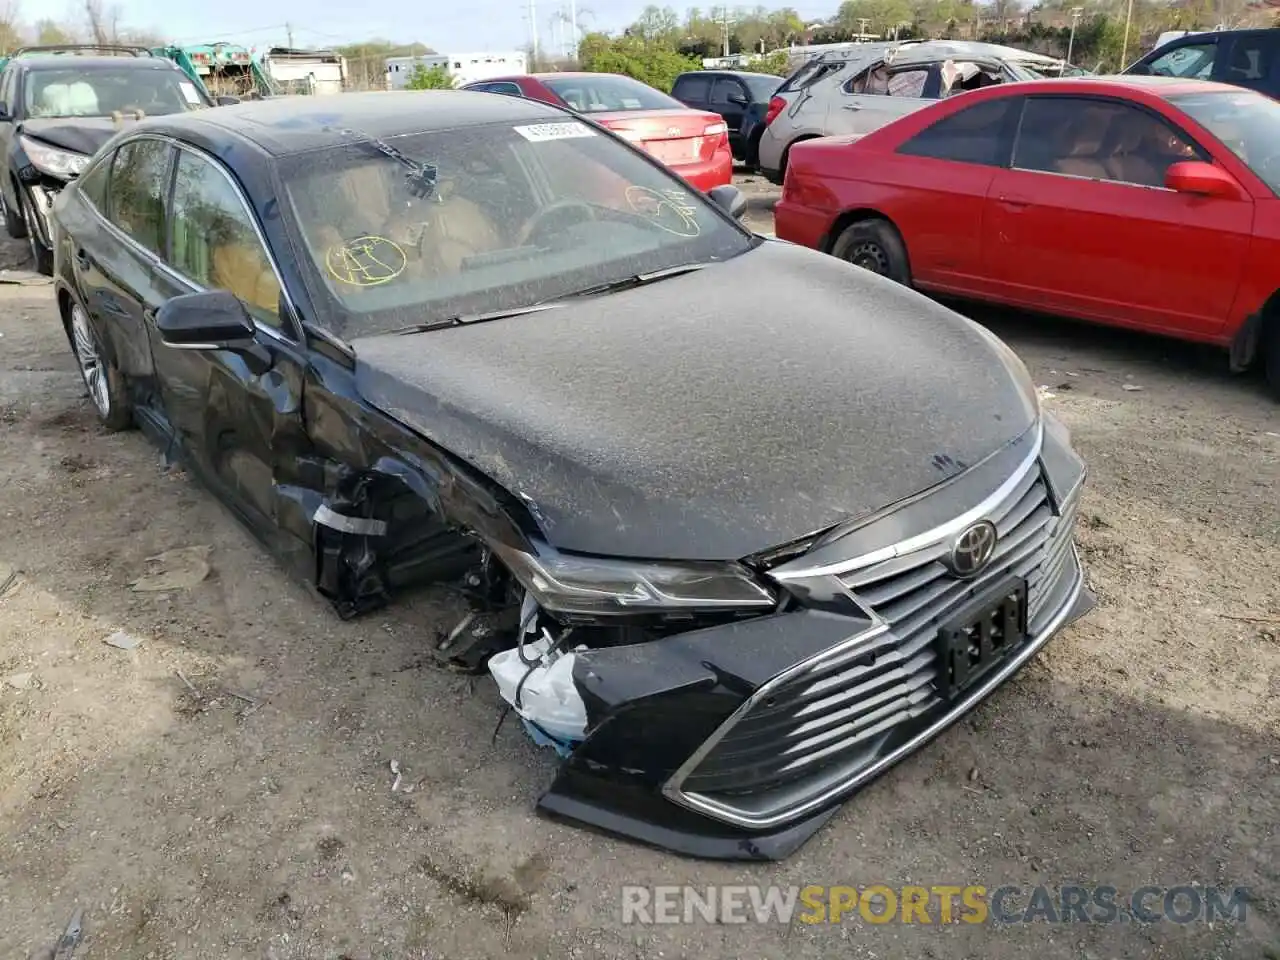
pixel 1142 747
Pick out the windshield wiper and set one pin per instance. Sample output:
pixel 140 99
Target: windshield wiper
pixel 639 279
pixel 462 319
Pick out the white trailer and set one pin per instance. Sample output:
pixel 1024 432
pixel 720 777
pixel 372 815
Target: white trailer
pixel 461 67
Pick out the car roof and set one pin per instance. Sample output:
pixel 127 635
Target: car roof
pixel 570 74
pixel 729 73
pixel 63 61
pixel 1157 86
pixel 291 125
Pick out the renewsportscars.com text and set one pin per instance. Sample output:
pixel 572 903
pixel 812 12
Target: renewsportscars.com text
pixel 935 904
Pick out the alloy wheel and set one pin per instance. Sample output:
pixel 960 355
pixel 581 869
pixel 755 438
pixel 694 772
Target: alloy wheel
pixel 92 367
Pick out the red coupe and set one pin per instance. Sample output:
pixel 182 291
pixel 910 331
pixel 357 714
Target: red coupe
pixel 1144 202
pixel 693 143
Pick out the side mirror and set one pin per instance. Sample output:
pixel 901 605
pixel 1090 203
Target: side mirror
pixel 213 320
pixel 729 199
pixel 739 99
pixel 226 101
pixel 1203 180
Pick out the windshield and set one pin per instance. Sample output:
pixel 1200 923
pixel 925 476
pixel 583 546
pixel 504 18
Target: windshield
pixel 513 215
pixel 1247 123
pixel 102 91
pixel 592 93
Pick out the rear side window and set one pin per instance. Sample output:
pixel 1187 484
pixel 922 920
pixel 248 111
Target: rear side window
pixel 93 184
pixel 139 184
pixel 809 74
pixel 692 88
pixel 977 134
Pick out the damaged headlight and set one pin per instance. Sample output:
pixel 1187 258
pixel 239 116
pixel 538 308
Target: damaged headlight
pixel 63 164
pixel 594 587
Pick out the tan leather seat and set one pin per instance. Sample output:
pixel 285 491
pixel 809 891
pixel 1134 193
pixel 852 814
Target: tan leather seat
pixel 1084 142
pixel 241 270
pixel 458 228
pixel 1127 161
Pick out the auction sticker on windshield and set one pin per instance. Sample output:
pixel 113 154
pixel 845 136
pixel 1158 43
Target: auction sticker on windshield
pixel 189 92
pixel 538 132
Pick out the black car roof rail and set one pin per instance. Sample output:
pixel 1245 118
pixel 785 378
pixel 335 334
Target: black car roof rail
pixel 85 48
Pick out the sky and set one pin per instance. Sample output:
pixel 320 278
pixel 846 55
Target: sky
pixel 473 25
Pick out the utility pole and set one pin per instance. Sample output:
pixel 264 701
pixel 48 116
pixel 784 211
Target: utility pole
pixel 288 32
pixel 1071 41
pixel 725 22
pixel 533 25
pixel 1124 47
pixel 573 28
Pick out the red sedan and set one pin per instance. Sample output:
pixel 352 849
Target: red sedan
pixel 693 143
pixel 1144 202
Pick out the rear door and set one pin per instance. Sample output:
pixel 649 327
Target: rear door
pixel 239 419
pixel 879 95
pixel 1082 225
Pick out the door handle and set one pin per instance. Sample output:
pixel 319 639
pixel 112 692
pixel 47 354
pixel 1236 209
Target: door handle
pixel 852 106
pixel 82 259
pixel 1013 202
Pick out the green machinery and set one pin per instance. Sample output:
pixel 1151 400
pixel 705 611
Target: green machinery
pixel 221 69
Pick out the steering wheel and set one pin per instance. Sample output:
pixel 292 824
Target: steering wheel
pixel 561 212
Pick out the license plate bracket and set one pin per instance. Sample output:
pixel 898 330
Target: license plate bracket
pixel 980 636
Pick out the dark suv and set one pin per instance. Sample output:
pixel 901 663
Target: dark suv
pixel 741 98
pixel 58 105
pixel 1245 58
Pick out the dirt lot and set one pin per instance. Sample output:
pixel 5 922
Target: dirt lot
pixel 1142 747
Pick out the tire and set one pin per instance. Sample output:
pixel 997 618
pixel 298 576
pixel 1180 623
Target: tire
pixel 14 224
pixel 874 245
pixel 752 158
pixel 41 256
pixel 1271 358
pixel 101 378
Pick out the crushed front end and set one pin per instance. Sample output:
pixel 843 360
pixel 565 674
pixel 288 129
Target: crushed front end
pixel 739 736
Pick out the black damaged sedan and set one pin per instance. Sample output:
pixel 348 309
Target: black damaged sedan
pixel 731 566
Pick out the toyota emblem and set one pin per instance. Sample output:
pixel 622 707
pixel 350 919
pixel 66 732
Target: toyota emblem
pixel 973 549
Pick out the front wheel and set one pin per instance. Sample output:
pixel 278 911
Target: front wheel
pixel 104 382
pixel 876 246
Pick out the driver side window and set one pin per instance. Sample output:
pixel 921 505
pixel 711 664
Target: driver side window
pixel 215 242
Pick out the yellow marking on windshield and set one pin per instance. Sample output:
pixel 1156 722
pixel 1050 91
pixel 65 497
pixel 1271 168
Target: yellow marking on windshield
pixel 365 261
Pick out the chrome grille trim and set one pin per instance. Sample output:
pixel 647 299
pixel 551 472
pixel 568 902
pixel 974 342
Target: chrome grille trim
pixel 938 534
pixel 863 773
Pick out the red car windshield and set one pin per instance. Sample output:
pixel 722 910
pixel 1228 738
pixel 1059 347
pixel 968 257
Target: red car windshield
pixel 607 94
pixel 1247 123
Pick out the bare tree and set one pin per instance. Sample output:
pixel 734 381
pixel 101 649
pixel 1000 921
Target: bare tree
pixel 104 21
pixel 9 37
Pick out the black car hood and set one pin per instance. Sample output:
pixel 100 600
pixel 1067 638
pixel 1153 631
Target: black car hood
pixel 711 415
pixel 79 134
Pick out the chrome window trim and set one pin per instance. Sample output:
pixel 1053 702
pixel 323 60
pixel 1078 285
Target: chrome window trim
pixel 719 811
pixel 290 324
pixel 929 537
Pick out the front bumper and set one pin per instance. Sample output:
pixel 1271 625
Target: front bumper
pixel 740 741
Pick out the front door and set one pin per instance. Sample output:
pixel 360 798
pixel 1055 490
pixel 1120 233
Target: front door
pixel 1083 225
pixel 238 418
